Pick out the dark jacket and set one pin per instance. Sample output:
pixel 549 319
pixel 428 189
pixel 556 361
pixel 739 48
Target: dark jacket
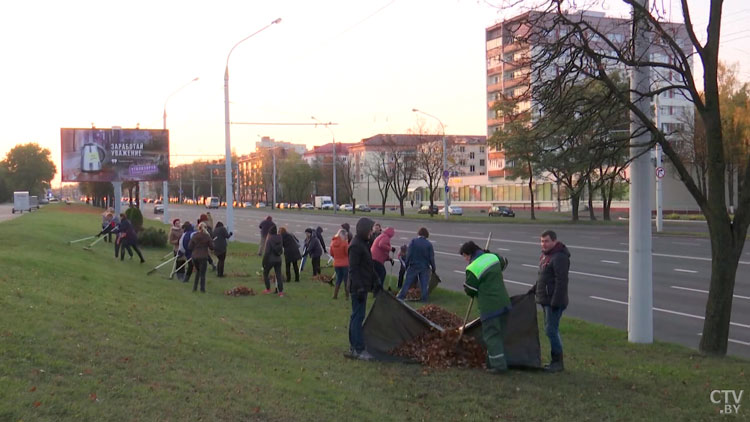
pixel 312 247
pixel 291 247
pixel 274 249
pixel 187 233
pixel 552 278
pixel 420 255
pixel 221 235
pixel 199 244
pixel 265 226
pixel 362 274
pixel 319 235
pixel 131 237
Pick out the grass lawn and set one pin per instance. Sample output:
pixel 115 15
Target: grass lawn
pixel 87 338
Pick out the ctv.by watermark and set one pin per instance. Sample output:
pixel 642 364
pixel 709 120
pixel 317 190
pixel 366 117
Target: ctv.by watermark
pixel 730 399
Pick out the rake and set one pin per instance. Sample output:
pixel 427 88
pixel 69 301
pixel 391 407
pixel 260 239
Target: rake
pixel 70 242
pixel 180 267
pixel 88 248
pixel 153 270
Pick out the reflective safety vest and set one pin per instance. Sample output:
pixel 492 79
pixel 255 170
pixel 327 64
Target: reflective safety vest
pixel 484 280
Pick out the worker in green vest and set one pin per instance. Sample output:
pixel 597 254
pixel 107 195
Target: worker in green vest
pixel 484 281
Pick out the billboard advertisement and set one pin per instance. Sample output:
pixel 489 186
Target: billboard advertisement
pixel 114 155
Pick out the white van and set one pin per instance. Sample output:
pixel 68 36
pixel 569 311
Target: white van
pixel 212 202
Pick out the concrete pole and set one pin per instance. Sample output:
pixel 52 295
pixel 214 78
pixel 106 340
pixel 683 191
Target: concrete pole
pixel 118 198
pixel 211 177
pixel 335 201
pixel 640 289
pixel 274 177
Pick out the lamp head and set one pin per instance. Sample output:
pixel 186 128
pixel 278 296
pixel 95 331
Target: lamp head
pixel 276 21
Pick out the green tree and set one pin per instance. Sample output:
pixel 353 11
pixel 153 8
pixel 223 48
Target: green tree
pixel 295 176
pixel 28 167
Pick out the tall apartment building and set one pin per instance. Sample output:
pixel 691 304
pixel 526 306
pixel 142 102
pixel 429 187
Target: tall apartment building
pixel 508 74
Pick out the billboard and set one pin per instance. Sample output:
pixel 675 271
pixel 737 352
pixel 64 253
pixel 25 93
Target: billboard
pixel 114 155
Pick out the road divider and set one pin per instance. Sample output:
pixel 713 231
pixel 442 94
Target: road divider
pixel 706 292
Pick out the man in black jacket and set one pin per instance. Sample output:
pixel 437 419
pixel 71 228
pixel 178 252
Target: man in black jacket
pixel 362 279
pixel 552 293
pixel 264 227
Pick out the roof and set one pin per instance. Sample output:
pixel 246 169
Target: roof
pixel 417 139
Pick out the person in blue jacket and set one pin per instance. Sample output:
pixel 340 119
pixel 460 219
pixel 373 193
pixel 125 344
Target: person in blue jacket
pixel 420 262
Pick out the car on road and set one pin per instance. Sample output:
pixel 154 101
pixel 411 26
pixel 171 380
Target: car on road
pixel 307 206
pixel 260 205
pixel 425 209
pixel 159 209
pixel 363 208
pixel 501 211
pixel 213 202
pixel 346 207
pixel 248 205
pixel 327 206
pixel 452 210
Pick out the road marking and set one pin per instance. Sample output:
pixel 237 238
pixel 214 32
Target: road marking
pixel 447 253
pixel 736 324
pixel 731 340
pixel 587 274
pixel 503 249
pixel 530 266
pixel 459 272
pixel 518 282
pixel 686 243
pixel 477 233
pixel 680 270
pixel 609 262
pixel 404 238
pixel 706 292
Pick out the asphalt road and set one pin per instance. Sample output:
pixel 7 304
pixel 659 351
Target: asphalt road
pixel 599 266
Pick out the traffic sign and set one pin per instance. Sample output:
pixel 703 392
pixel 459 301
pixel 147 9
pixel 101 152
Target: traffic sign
pixel 660 172
pixel 447 189
pixel 446 174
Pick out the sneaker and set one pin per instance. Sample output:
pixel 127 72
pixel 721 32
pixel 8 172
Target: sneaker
pixel 365 355
pixel 281 294
pixel 351 354
pixel 267 291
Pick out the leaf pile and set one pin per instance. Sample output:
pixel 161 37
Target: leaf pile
pixel 415 293
pixel 438 350
pixel 440 316
pixel 323 278
pixel 240 291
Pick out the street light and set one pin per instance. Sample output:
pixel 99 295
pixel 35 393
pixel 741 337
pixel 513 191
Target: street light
pixel 327 126
pixel 445 162
pixel 227 141
pixel 165 186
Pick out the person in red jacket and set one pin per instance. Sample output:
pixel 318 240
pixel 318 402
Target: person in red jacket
pixel 380 253
pixel 340 252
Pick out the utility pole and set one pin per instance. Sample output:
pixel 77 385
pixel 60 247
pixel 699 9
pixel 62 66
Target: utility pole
pixel 640 283
pixel 273 152
pixel 659 192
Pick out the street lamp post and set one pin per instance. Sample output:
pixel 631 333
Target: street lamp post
pixel 333 140
pixel 227 141
pixel 445 162
pixel 165 186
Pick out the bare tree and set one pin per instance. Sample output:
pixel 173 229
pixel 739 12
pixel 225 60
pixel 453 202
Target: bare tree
pixel 403 167
pixel 378 169
pixel 571 47
pixel 346 171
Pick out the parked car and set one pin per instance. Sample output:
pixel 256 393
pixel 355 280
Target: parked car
pixel 159 209
pixel 425 209
pixel 260 205
pixel 213 202
pixel 294 206
pixel 452 210
pixel 363 208
pixel 307 206
pixel 346 207
pixel 248 205
pixel 501 211
pixel 327 206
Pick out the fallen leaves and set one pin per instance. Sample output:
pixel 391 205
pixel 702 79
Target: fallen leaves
pixel 37 403
pixel 440 316
pixel 240 291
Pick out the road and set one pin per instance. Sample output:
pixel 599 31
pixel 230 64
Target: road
pixel 599 266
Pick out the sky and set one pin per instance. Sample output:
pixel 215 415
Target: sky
pixel 363 65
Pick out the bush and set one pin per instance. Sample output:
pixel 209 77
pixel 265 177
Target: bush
pixel 135 217
pixel 152 237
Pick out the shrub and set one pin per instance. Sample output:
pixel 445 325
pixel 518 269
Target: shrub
pixel 152 237
pixel 135 217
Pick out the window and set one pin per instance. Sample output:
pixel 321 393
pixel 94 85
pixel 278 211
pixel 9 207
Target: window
pixel 471 169
pixel 462 162
pixel 481 163
pixel 481 149
pixel 462 149
pixel 471 155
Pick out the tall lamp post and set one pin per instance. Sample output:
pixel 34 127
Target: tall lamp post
pixel 445 161
pixel 165 186
pixel 227 141
pixel 333 138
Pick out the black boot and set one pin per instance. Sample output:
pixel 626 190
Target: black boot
pixel 556 365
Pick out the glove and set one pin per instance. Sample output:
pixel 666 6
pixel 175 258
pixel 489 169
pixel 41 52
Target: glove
pixel 393 249
pixel 391 259
pixel 532 290
pixel 469 292
pixel 98 234
pixel 230 234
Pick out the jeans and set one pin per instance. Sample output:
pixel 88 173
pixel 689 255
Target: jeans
pixel 342 273
pixel 380 271
pixel 220 264
pixel 356 335
pixel 412 275
pixel 289 264
pixel 279 279
pixel 552 328
pixel 200 273
pixel 401 274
